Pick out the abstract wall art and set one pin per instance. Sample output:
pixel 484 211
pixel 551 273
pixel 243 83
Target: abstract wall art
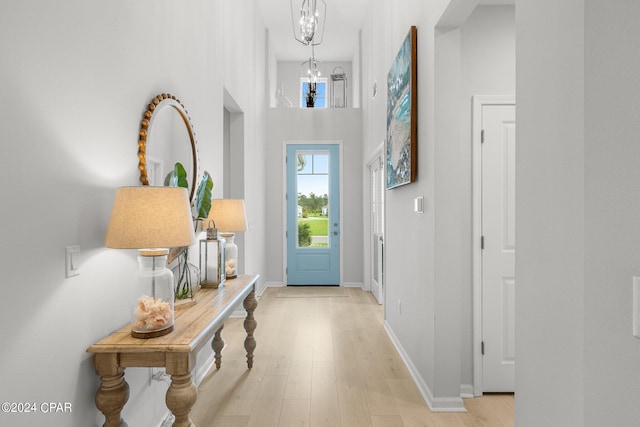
pixel 402 124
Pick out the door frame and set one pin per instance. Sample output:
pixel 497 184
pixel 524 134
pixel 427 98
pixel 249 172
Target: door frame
pixel 479 101
pixel 284 200
pixel 377 153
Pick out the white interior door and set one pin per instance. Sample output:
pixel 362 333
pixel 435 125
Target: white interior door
pixel 376 178
pixel 499 247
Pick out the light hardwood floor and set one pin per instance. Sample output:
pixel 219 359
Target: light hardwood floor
pixel 324 361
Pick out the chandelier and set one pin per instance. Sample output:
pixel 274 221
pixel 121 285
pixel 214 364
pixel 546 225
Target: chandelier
pixel 309 29
pixel 314 73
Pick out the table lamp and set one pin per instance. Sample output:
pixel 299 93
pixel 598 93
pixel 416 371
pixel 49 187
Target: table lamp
pixel 151 219
pixel 229 216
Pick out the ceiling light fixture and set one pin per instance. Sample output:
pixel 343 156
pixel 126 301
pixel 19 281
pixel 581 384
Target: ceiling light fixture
pixel 313 72
pixel 309 30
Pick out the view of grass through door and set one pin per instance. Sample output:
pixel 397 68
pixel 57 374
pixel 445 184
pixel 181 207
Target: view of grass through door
pixel 313 200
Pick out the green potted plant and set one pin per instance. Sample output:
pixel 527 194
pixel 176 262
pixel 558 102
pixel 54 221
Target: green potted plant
pixel 186 275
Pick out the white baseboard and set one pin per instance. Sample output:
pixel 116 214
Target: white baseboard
pixel 435 404
pixel 168 420
pixel 261 290
pixel 239 313
pixel 281 285
pixel 447 404
pixel 354 285
pixel 274 284
pixel 466 391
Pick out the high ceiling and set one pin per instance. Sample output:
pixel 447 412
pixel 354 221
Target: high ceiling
pixel 344 21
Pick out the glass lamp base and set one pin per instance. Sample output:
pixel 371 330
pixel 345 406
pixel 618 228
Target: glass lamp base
pixel 231 258
pixel 152 313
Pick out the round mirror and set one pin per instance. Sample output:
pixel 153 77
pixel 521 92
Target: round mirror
pixel 167 138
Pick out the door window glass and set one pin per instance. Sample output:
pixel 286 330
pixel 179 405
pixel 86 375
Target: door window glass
pixel 312 183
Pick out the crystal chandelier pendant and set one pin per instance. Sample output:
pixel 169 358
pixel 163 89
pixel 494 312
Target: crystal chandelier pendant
pixel 308 20
pixel 309 30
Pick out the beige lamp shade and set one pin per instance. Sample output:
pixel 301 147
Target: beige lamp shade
pixel 150 217
pixel 228 215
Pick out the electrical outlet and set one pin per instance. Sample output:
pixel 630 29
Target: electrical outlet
pixel 159 375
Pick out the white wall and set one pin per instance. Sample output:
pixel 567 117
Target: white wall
pixel 76 77
pixel 298 124
pixel 246 71
pixel 434 326
pixel 422 328
pixel 376 53
pixel 577 184
pixel 550 313
pixel 487 67
pixel 611 208
pixel 272 84
pixel 577 216
pixel 355 85
pixel 375 49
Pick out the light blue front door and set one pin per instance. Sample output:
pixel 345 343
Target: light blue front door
pixel 313 214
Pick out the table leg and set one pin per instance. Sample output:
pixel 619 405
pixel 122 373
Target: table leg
pixel 218 344
pixel 182 393
pixel 250 303
pixel 113 392
pixel 181 397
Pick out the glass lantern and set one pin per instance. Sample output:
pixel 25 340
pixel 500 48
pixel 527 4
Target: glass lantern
pixel 212 255
pixel 338 88
pixel 153 308
pixel 231 261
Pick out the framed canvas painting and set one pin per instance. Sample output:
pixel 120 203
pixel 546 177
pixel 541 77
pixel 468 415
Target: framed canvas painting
pixel 402 106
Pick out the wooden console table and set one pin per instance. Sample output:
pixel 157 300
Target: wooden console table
pixel 194 327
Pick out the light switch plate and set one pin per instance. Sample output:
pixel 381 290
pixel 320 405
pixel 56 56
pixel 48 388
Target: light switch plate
pixel 636 307
pixel 72 261
pixel 418 205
